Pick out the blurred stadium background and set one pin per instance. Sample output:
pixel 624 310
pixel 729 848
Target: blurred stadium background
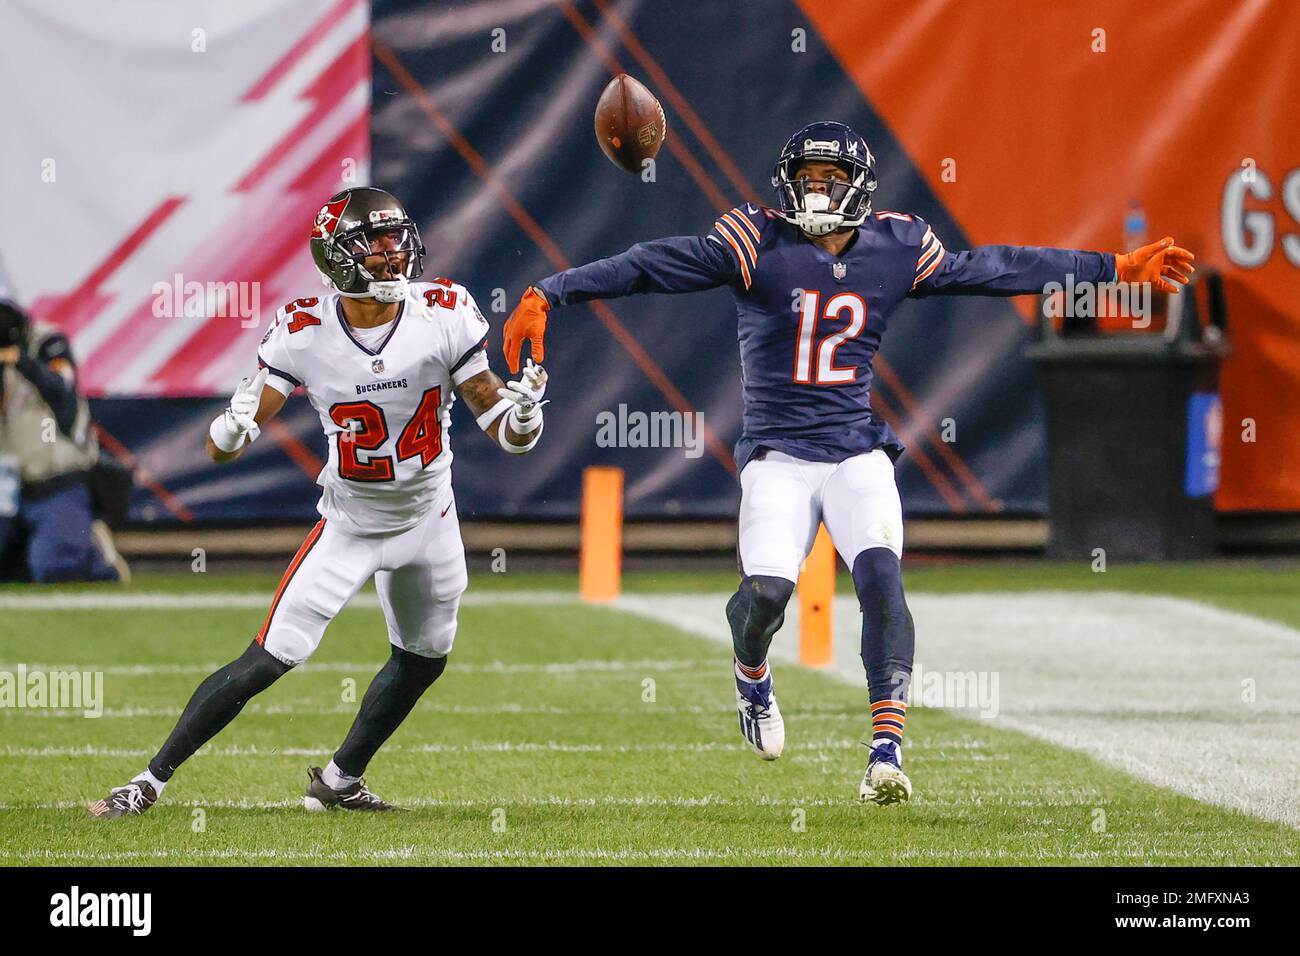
pixel 149 145
pixel 201 155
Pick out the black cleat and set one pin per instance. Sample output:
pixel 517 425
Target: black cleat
pixel 132 800
pixel 320 796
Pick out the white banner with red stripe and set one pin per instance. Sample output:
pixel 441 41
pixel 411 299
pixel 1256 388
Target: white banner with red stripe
pixel 161 181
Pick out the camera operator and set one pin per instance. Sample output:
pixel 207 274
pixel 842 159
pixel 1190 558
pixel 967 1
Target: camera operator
pixel 47 452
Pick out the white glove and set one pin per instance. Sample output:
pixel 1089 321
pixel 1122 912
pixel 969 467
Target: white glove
pixel 524 416
pixel 236 424
pixel 526 394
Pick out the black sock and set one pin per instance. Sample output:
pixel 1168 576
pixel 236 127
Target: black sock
pixel 391 696
pixel 214 704
pixel 888 639
pixel 755 613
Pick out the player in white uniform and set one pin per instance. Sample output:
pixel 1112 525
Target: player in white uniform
pixel 382 359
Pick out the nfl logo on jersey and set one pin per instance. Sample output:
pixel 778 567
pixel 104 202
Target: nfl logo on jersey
pixel 377 366
pixel 839 269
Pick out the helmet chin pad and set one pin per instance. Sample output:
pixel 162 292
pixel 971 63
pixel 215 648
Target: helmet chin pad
pixel 816 219
pixel 390 290
pixel 818 223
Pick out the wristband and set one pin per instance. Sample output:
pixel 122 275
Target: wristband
pixel 226 438
pixel 523 424
pixel 520 449
pixel 487 418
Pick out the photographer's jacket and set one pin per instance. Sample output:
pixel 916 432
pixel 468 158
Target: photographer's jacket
pixel 44 423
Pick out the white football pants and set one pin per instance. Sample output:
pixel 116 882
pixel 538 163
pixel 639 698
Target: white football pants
pixel 784 499
pixel 420 575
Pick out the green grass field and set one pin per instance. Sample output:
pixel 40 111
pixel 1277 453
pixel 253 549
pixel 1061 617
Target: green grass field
pixel 543 744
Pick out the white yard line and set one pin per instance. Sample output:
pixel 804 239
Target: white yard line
pixel 239 600
pixel 424 707
pixel 474 747
pixel 646 666
pixel 1180 694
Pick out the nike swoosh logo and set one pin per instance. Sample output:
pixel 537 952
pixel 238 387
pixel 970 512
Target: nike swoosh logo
pixel 445 510
pixel 752 210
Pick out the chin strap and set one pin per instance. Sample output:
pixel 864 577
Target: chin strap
pixel 390 290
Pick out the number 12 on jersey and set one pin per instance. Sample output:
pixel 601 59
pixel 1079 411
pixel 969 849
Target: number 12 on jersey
pixel 825 371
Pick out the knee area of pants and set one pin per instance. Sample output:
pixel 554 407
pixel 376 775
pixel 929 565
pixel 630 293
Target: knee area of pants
pixel 288 646
pixel 442 640
pixel 765 595
pixel 60 568
pixel 449 590
pixel 877 569
pixel 438 634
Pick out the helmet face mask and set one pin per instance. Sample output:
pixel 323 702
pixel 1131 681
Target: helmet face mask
pixel 360 224
pixel 839 204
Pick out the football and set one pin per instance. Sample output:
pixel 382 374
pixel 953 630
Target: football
pixel 630 124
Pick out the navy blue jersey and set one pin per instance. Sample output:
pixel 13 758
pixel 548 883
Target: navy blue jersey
pixel 810 322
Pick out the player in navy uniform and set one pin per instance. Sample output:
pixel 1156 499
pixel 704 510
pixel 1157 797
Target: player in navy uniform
pixel 811 448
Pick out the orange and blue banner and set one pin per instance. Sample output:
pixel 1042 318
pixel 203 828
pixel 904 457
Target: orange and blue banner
pixel 1006 121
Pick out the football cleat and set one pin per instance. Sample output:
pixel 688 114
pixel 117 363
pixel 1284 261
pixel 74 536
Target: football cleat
pixel 760 717
pixel 884 782
pixel 320 796
pixel 132 800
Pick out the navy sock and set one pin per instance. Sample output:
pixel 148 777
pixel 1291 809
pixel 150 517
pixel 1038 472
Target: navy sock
pixel 888 639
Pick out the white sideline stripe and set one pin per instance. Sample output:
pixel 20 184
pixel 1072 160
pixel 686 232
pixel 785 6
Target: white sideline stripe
pixel 333 667
pixel 811 709
pixel 239 600
pixel 1152 685
pixel 477 747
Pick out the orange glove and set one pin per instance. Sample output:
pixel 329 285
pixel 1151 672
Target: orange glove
pixel 527 321
pixel 1167 265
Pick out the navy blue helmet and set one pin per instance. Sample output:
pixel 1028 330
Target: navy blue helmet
pixel 841 204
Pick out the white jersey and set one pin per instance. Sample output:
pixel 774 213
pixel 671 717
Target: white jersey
pixel 386 408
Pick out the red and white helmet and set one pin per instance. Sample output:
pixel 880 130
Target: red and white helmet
pixel 362 222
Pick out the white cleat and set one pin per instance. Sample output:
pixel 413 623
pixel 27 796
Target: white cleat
pixel 884 782
pixel 760 717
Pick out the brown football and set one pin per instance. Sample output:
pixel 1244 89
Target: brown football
pixel 630 124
